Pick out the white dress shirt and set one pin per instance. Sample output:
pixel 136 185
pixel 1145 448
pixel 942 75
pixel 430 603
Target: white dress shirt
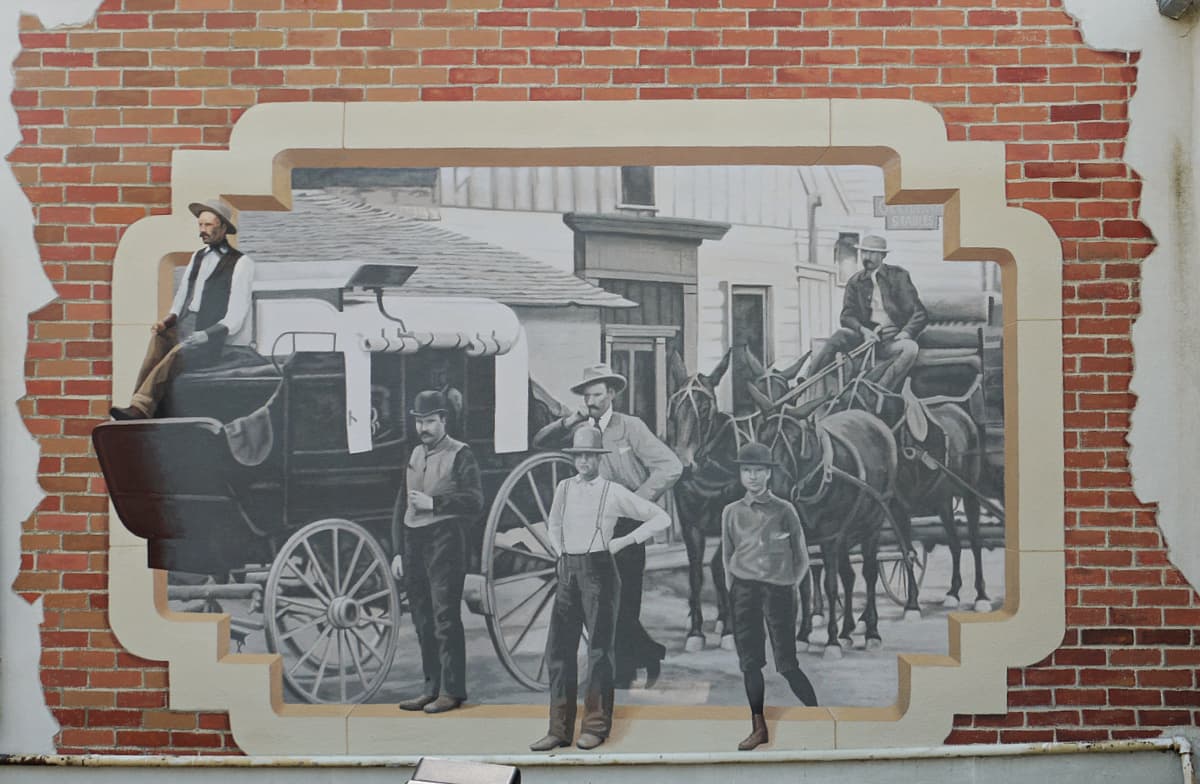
pixel 241 295
pixel 878 314
pixel 579 523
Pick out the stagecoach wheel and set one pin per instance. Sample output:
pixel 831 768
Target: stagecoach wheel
pixel 518 567
pixel 895 580
pixel 330 611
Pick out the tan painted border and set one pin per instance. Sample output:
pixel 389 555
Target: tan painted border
pixel 907 139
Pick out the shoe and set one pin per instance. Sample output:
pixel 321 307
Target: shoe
pixel 653 670
pixel 126 414
pixel 589 741
pixel 442 704
pixel 549 743
pixel 758 735
pixel 417 703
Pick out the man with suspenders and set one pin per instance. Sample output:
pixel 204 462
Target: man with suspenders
pixel 211 309
pixel 582 520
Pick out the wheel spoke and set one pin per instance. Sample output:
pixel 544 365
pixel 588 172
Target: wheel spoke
pixel 525 601
pixel 358 665
pixel 309 652
pixel 374 565
pixel 523 576
pixel 545 543
pixel 316 567
pixel 367 647
pixel 529 553
pixel 539 556
pixel 374 596
pixel 290 633
pixel 353 565
pixel 536 614
pixel 554 476
pixel 541 666
pixel 309 583
pixel 321 670
pixel 337 576
pixel 376 621
pixel 295 605
pixel 341 666
pixel 537 497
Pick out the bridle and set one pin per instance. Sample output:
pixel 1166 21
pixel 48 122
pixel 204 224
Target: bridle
pixel 690 391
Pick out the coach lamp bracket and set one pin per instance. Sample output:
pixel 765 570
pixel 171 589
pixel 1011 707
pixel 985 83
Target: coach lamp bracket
pixel 431 770
pixel 1174 8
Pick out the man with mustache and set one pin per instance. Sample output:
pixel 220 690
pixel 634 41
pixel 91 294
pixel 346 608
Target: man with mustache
pixel 444 498
pixel 635 459
pixel 210 311
pixel 881 306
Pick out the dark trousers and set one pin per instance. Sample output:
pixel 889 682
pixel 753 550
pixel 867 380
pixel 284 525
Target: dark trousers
pixel 844 340
pixel 435 562
pixel 586 597
pixel 635 646
pixel 756 604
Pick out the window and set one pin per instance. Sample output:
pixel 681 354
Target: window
pixel 637 185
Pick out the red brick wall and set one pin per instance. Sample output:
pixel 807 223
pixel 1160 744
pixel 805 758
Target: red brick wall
pixel 102 107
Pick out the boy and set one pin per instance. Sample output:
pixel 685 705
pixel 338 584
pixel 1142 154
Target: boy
pixel 582 528
pixel 765 559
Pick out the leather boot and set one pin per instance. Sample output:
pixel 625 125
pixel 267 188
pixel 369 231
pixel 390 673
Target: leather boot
pixel 758 735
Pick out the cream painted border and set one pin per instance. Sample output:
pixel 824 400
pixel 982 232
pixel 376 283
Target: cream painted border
pixel 907 139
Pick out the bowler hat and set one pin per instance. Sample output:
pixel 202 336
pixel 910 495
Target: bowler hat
pixel 218 206
pixel 587 441
pixel 873 242
pixel 428 403
pixel 596 374
pixel 755 454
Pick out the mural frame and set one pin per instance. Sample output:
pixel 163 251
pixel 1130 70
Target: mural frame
pixel 907 139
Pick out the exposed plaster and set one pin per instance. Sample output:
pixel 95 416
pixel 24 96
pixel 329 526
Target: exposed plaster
pixel 1162 145
pixel 26 724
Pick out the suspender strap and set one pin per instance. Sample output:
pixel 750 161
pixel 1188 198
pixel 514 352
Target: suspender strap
pixel 598 531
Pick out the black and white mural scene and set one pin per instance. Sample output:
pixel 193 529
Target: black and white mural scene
pixel 575 437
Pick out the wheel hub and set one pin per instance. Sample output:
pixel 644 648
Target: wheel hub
pixel 343 612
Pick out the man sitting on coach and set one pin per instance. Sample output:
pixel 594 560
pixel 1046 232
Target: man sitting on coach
pixel 881 306
pixel 210 309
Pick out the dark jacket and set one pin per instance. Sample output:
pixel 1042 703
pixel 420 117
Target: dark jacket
pixel 900 300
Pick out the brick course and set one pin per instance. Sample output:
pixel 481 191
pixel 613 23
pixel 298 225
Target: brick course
pixel 102 106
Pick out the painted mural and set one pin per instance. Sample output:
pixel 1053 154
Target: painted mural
pixel 627 435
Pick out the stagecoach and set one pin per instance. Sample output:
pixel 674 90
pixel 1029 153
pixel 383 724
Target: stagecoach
pixel 274 484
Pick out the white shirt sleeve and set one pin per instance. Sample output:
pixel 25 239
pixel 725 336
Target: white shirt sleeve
pixel 554 525
pixel 241 295
pixel 628 504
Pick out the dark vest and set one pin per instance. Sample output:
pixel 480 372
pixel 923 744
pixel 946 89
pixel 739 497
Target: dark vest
pixel 215 300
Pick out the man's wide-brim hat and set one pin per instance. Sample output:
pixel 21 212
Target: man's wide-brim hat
pixel 428 403
pixel 586 441
pixel 218 206
pixel 755 454
pixel 873 242
pixel 599 373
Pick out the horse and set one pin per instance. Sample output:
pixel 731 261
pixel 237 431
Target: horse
pixel 839 472
pixel 706 441
pixel 937 440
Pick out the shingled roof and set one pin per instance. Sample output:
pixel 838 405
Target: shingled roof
pixel 339 234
